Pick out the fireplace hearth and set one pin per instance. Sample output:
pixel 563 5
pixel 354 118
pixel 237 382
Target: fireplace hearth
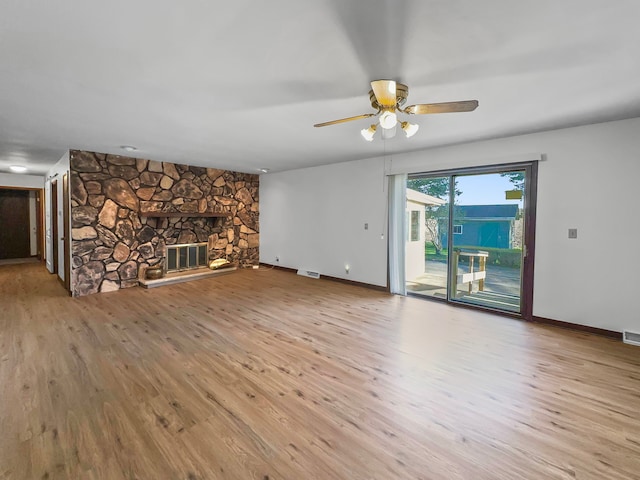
pixel 185 276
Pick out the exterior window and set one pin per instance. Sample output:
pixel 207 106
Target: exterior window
pixel 457 229
pixel 415 226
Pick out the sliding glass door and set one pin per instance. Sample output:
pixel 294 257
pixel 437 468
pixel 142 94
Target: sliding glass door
pixel 486 236
pixel 476 237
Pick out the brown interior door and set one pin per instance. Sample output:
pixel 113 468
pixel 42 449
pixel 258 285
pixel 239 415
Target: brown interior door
pixel 54 225
pixel 14 224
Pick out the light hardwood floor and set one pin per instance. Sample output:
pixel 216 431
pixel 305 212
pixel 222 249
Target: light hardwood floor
pixel 268 375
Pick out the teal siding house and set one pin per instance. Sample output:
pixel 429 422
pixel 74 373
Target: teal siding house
pixel 482 226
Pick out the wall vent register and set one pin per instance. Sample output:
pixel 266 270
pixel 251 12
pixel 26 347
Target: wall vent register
pixel 632 338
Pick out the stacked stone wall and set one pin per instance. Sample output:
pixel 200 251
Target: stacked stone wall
pixel 113 238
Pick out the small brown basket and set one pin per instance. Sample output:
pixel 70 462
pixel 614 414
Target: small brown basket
pixel 153 273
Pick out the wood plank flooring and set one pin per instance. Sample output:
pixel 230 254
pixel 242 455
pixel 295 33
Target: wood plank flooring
pixel 262 374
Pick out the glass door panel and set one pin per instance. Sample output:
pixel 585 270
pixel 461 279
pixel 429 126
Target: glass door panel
pixel 426 252
pixel 486 240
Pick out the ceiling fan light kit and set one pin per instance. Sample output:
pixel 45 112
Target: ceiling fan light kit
pixel 368 133
pixel 388 119
pixel 388 97
pixel 409 129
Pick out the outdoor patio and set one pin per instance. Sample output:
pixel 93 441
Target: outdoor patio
pixel 501 286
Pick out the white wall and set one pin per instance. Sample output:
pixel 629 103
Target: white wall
pixel 314 218
pixel 56 173
pixel 588 180
pixel 21 181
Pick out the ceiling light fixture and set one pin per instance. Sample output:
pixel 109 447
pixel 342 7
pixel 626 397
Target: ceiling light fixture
pixel 264 170
pixel 387 98
pixel 388 119
pixel 17 168
pixel 410 129
pixel 128 148
pixel 368 133
pixel 391 87
pixel 389 133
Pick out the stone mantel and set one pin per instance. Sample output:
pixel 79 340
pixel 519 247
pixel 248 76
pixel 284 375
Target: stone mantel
pixel 183 215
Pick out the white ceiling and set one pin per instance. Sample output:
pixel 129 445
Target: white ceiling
pixel 239 84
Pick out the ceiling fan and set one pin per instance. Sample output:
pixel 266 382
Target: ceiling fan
pixel 388 97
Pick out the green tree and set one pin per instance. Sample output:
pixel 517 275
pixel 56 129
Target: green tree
pixel 517 178
pixel 436 187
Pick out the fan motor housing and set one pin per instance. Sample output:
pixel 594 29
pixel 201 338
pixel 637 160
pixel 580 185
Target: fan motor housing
pixel 402 92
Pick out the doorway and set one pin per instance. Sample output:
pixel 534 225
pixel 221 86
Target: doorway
pixel 21 227
pixel 15 238
pixel 54 225
pixel 477 244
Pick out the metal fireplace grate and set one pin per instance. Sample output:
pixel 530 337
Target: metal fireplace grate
pixel 186 256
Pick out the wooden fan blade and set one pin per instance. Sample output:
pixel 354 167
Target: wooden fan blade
pixel 344 120
pixel 446 107
pixel 385 92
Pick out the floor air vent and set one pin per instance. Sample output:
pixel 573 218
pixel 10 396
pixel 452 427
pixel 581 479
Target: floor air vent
pixel 311 274
pixel 631 338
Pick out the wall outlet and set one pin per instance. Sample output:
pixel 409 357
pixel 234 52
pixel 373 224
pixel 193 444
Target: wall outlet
pixel 277 259
pixel 366 226
pixel 573 233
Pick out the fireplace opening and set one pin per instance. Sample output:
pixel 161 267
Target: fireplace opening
pixel 187 256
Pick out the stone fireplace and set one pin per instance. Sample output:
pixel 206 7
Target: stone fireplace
pixel 126 211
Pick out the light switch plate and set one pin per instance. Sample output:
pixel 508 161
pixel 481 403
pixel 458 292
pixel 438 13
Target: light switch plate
pixel 573 233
